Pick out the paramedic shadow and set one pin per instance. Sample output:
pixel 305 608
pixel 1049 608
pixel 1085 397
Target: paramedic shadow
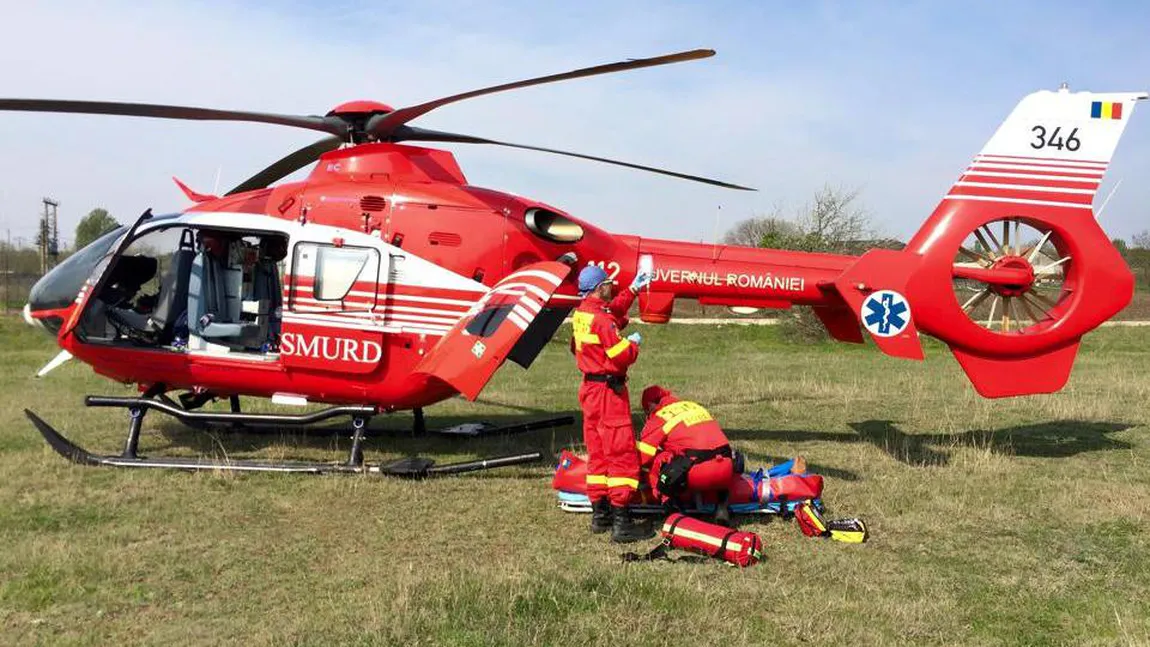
pixel 1060 439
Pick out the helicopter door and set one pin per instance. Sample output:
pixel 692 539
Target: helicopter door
pixel 331 322
pixel 468 356
pixel 101 274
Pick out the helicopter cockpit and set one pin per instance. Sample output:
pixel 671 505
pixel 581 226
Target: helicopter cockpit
pixel 181 288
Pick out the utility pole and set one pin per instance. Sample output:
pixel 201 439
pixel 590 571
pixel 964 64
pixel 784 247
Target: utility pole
pixel 7 266
pixel 49 236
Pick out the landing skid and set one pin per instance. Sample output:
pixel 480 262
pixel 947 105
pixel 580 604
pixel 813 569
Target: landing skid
pixel 238 422
pixel 412 467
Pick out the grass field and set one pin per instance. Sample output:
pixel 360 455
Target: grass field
pixel 993 522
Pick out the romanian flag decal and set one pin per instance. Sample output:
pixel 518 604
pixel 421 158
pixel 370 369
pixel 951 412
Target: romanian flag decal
pixel 1106 110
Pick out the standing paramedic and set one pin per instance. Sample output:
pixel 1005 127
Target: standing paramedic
pixel 603 357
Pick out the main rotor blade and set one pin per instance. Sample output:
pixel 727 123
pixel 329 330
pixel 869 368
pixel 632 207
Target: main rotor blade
pixel 288 165
pixel 381 126
pixel 333 126
pixel 411 133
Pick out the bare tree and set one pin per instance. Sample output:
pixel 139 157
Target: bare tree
pixel 1142 240
pixel 832 222
pixel 772 231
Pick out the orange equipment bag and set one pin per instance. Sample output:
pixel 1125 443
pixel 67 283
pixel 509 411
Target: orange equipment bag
pixel 730 545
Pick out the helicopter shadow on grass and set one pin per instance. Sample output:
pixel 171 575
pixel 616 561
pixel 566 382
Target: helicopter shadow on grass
pixel 389 437
pixel 1055 439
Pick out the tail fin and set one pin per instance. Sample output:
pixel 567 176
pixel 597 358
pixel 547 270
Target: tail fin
pixel 1011 269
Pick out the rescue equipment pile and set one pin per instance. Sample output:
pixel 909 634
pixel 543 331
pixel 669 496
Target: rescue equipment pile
pixel 765 491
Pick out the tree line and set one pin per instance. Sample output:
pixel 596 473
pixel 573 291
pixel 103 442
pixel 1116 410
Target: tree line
pixel 25 259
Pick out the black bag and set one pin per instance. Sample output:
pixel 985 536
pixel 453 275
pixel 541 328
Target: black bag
pixel 673 476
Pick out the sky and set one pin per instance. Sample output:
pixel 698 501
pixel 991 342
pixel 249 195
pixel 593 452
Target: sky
pixel 892 99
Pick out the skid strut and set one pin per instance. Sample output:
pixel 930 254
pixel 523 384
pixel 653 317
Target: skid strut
pixel 412 467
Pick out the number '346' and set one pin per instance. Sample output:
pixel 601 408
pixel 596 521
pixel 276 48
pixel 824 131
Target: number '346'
pixel 1055 139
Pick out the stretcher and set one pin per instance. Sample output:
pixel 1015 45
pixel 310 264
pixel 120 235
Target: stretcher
pixel 771 490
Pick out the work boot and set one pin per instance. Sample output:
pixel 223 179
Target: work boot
pixel 723 509
pixel 624 530
pixel 600 516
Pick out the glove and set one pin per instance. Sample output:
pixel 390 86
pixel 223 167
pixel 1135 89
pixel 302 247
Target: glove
pixel 642 280
pixel 635 338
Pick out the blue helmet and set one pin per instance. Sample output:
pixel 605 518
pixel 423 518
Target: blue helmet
pixel 591 277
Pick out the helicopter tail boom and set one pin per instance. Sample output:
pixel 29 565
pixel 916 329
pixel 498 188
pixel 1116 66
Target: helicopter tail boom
pixel 1010 270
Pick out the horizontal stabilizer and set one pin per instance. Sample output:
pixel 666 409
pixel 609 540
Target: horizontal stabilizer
pixel 875 288
pixel 1006 377
pixel 840 322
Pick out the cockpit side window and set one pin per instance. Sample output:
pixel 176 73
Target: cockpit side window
pixel 326 277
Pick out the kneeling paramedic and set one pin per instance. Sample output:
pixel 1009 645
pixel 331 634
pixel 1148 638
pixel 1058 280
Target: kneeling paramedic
pixel 685 450
pixel 603 358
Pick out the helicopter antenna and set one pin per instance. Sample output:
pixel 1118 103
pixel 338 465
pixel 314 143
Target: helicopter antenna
pixel 1098 216
pixel 216 186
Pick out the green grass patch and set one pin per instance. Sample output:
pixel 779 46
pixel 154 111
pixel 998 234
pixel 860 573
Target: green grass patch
pixel 1018 521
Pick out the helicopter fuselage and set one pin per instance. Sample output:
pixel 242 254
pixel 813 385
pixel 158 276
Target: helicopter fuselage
pixel 437 245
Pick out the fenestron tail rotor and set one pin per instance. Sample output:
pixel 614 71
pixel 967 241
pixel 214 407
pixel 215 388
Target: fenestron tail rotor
pixel 1012 275
pixel 361 122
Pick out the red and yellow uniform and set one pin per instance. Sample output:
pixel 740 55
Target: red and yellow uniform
pixel 684 428
pixel 603 357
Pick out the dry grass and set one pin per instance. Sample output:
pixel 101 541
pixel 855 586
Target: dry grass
pixel 994 522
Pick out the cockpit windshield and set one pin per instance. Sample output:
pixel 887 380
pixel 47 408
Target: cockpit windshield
pixel 60 286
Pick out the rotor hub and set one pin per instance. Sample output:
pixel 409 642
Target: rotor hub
pixel 1011 269
pixel 360 107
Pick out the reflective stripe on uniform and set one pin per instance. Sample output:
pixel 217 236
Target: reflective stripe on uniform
pixel 596 479
pixel 684 411
pixel 581 329
pixel 622 481
pixel 615 350
pixel 645 449
pixel 717 542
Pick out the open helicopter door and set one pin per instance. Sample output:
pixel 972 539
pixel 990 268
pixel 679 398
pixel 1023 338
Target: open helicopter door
pixel 330 322
pixel 100 275
pixel 471 352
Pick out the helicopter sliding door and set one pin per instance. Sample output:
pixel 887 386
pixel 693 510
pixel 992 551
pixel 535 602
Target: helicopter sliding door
pixel 331 322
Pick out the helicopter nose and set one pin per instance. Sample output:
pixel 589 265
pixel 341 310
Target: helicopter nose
pixel 49 317
pixel 51 299
pixel 32 321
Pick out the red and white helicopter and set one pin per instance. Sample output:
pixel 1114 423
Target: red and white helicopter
pixel 384 281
